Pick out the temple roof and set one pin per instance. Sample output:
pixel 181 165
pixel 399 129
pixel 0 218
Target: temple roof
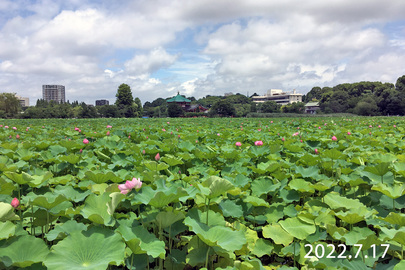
pixel 178 98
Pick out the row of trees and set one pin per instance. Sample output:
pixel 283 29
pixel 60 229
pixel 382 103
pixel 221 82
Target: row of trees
pixel 363 98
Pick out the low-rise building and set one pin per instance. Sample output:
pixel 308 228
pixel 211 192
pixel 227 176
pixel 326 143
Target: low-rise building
pixel 24 101
pixel 278 96
pixel 311 107
pixel 101 102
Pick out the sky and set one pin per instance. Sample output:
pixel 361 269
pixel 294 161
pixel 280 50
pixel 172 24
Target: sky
pixel 196 47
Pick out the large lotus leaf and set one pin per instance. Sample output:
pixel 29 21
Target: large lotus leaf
pixel 144 195
pixel 6 188
pixel 357 234
pixel 94 249
pixel 274 213
pixel 380 169
pixel 23 251
pixel 396 219
pixel 154 166
pixel 221 236
pixel 163 198
pixel 301 185
pixel 311 172
pixel 166 219
pixel 100 177
pixel 25 154
pixel 46 201
pixel 255 201
pixel 217 186
pixel 7 212
pixel 171 160
pixel 400 265
pixel 382 158
pixel 392 191
pixel 71 193
pixel 19 178
pixel 263 186
pixel 355 215
pixel 141 241
pixel 398 166
pixel 7 229
pixel 262 247
pixel 57 149
pixel 231 209
pixel 116 198
pixel 7 164
pixel 335 201
pixel 61 231
pixel 297 228
pixel 332 154
pixel 277 234
pixel 72 158
pixel 96 210
pixel 267 167
pixel 197 251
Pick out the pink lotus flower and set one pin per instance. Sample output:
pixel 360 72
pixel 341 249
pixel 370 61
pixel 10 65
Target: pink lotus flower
pixel 370 126
pixel 143 152
pixel 348 133
pixel 258 143
pixel 271 122
pixel 108 133
pixel 108 126
pixel 334 138
pixel 300 140
pixel 238 144
pixel 15 203
pixel 163 129
pixel 85 141
pixel 259 129
pixel 157 157
pixel 18 136
pixel 77 129
pixel 5 126
pixel 81 150
pixel 395 126
pixel 14 128
pixel 135 183
pixel 379 126
pixel 283 139
pixel 316 151
pixel 319 127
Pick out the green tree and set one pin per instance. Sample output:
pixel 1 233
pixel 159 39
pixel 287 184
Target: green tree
pixel 367 106
pixel 269 107
pixel 9 104
pixel 139 107
pixel 400 84
pixel 223 108
pixel 297 107
pixel 124 96
pixel 174 110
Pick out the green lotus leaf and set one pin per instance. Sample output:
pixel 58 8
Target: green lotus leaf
pixel 144 195
pixel 332 154
pixel 231 209
pixel 6 187
pixel 255 201
pixel 71 193
pixel 25 154
pixel 197 251
pixel 154 166
pixel 72 158
pixel 140 241
pixel 221 236
pixel 355 215
pixel 274 213
pixel 61 231
pixel 277 234
pixel 400 265
pixel 217 186
pixel 380 169
pixel 311 172
pixel 262 247
pixel 7 229
pixel 297 228
pixel 163 198
pixel 23 251
pixel 94 249
pixel 116 198
pixel 335 201
pixel 46 201
pixel 301 185
pixel 166 219
pixel 100 177
pixel 171 160
pixel 357 234
pixel 263 186
pixel 19 178
pixel 96 209
pixel 57 149
pixel 392 191
pixel 395 219
pixel 7 212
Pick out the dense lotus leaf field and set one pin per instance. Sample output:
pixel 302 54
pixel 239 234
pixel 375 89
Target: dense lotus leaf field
pixel 309 193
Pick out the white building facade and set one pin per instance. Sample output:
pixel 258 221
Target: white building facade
pixel 278 96
pixel 53 92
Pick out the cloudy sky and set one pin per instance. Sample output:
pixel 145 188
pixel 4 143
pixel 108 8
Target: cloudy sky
pixel 197 47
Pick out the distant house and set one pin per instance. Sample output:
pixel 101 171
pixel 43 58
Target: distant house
pixel 101 102
pixel 311 107
pixel 197 108
pixel 181 101
pixel 278 96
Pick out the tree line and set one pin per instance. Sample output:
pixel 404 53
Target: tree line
pixel 362 98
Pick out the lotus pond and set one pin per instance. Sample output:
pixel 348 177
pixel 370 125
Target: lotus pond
pixel 309 193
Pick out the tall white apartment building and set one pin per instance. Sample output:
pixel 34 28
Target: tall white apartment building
pixel 53 92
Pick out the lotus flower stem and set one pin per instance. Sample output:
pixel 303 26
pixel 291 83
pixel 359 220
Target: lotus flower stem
pixel 206 257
